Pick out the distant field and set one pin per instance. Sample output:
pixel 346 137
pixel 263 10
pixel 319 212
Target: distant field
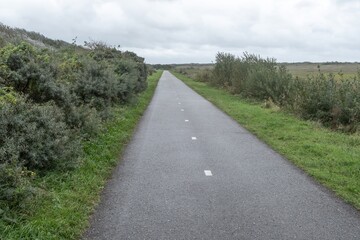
pixel 191 70
pixel 301 70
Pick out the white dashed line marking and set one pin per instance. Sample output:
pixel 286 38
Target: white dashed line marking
pixel 193 138
pixel 182 110
pixel 179 103
pixel 186 120
pixel 208 173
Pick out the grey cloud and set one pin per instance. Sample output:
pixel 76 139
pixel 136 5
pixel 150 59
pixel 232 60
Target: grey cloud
pixel 193 31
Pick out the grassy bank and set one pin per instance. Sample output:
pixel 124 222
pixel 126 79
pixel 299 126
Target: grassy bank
pixel 63 211
pixel 332 158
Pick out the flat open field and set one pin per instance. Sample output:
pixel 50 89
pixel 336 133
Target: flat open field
pixel 301 70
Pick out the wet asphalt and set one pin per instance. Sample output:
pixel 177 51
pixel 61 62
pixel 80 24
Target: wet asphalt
pixel 160 191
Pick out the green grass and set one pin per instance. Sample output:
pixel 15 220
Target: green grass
pixel 332 158
pixel 63 211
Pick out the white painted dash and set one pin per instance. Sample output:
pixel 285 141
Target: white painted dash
pixel 208 173
pixel 179 102
pixel 182 110
pixel 193 138
pixel 186 120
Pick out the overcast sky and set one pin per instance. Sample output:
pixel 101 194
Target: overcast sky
pixel 183 31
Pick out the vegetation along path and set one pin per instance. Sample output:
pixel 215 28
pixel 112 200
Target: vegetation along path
pixel 191 172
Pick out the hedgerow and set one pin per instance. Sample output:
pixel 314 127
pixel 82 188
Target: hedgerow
pixel 51 100
pixel 320 97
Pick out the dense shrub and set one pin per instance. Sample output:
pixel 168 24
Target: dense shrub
pixel 2 42
pixel 129 79
pixel 253 77
pixel 33 139
pixel 150 69
pixel 204 75
pixel 335 103
pixel 36 137
pixel 96 86
pixel 140 70
pixel 51 100
pixel 30 72
pixel 265 80
pixel 224 69
pixel 15 184
pixel 16 188
pixel 125 74
pixel 84 119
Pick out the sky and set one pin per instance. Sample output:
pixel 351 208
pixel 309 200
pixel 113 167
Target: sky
pixel 193 31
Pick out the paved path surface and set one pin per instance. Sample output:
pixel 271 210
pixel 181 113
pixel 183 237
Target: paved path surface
pixel 160 189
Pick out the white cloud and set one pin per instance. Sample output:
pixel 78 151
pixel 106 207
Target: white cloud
pixel 193 31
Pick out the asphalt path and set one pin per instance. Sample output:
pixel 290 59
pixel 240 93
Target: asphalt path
pixel 191 172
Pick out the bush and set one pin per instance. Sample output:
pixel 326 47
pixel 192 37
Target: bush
pixel 30 72
pixel 204 75
pixel 51 100
pixel 130 80
pixel 33 139
pixel 253 77
pixel 2 42
pixel 15 180
pixel 16 188
pixel 223 70
pixel 36 137
pixel 96 86
pixel 336 104
pixel 140 70
pixel 84 119
pixel 265 80
pixel 109 78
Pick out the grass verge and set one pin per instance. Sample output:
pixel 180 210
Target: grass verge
pixel 63 211
pixel 332 158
